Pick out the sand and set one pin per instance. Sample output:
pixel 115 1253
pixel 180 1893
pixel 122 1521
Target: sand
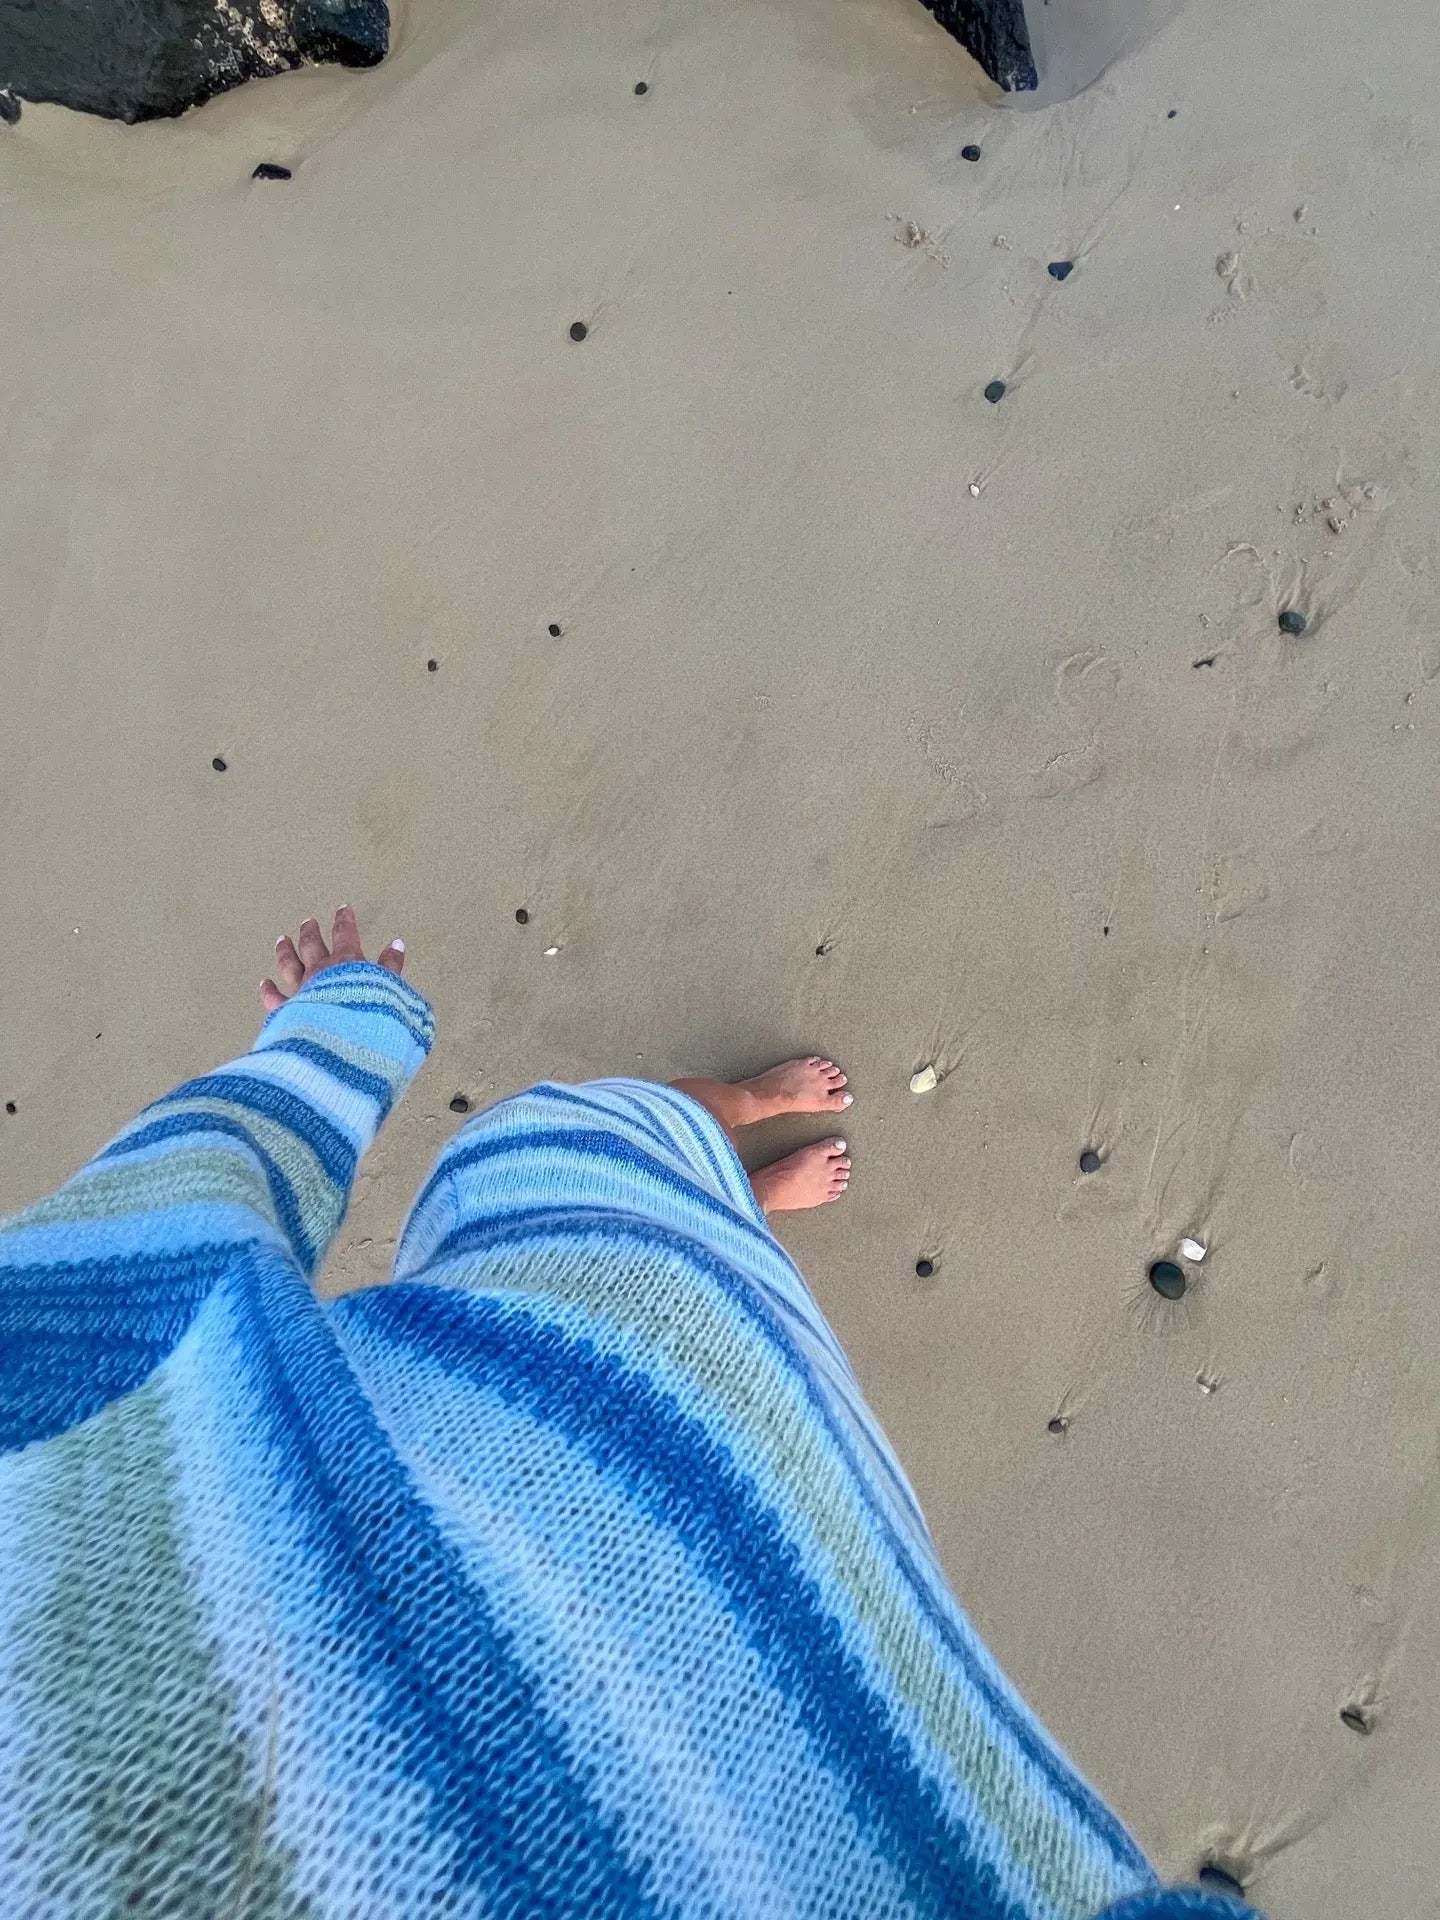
pixel 271 446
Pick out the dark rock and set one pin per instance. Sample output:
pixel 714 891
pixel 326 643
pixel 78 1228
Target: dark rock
pixel 1060 269
pixel 522 915
pixel 218 764
pixel 642 86
pixel 459 1104
pixel 10 1107
pixel 1057 1425
pixel 970 153
pixel 1292 622
pixel 9 109
pixel 432 666
pixel 554 629
pixel 1089 1161
pixel 994 31
pixel 271 170
pixel 1172 113
pixel 1168 1280
pixel 578 330
pixel 146 59
pixel 924 1268
pixel 1216 1880
pixel 1356 1719
pixel 995 392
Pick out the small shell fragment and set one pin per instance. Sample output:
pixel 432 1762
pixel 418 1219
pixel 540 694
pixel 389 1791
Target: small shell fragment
pixel 1195 1250
pixel 550 952
pixel 925 1081
pixel 974 489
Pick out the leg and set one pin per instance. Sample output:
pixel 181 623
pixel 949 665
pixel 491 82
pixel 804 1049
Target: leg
pixel 816 1173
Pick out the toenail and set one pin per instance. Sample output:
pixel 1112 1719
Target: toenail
pixel 839 1146
pixel 846 1099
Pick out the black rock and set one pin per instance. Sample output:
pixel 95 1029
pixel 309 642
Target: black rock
pixel 1172 113
pixel 10 1107
pixel 1292 622
pixel 145 59
pixel 459 1104
pixel 970 153
pixel 1057 1425
pixel 1168 1280
pixel 996 33
pixel 642 86
pixel 9 109
pixel 271 170
pixel 995 392
pixel 218 764
pixel 522 915
pixel 432 666
pixel 578 330
pixel 1216 1880
pixel 1060 269
pixel 1355 1718
pixel 1089 1161
pixel 554 629
pixel 924 1268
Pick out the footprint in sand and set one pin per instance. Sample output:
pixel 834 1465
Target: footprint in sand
pixel 1237 886
pixel 1067 773
pixel 1086 676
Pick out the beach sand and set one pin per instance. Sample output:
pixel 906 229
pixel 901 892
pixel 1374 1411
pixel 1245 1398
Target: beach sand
pixel 988 702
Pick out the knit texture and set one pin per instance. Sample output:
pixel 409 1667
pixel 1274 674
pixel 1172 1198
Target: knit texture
pixel 568 1574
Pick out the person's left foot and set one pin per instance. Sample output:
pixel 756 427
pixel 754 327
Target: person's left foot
pixel 813 1085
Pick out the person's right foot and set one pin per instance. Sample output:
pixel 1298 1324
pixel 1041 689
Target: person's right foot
pixel 805 1179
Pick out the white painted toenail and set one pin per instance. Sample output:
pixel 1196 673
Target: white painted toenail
pixel 840 1146
pixel 846 1099
pixel 398 946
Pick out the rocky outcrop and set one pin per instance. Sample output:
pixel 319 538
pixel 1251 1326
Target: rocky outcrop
pixel 143 59
pixel 994 31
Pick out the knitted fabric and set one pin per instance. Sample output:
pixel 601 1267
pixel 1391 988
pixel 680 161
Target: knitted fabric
pixel 568 1574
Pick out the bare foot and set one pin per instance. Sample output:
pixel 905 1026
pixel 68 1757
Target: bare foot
pixel 813 1085
pixel 805 1179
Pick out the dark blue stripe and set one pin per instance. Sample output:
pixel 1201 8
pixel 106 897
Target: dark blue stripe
pixel 372 1085
pixel 274 1102
pixel 683 1477
pixel 742 1294
pixel 193 1126
pixel 502 1798
pixel 79 1333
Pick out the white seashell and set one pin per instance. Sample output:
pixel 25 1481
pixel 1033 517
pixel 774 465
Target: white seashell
pixel 975 489
pixel 1195 1250
pixel 925 1081
pixel 550 952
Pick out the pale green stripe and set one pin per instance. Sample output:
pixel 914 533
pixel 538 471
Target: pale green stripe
pixel 188 1176
pixel 139 1763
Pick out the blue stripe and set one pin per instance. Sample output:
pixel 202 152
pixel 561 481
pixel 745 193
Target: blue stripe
pixel 273 1101
pixel 1067 1786
pixel 358 1079
pixel 683 1477
pixel 455 1692
pixel 192 1127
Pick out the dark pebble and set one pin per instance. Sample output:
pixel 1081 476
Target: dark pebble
pixel 1060 269
pixel 1057 1425
pixel 578 329
pixel 642 86
pixel 823 948
pixel 1172 113
pixel 432 666
pixel 522 916
pixel 10 1107
pixel 1205 660
pixel 459 1104
pixel 1291 621
pixel 1216 1880
pixel 554 630
pixel 1355 1718
pixel 1089 1161
pixel 268 170
pixel 924 1268
pixel 969 153
pixel 1168 1280
pixel 995 392
pixel 9 109
pixel 218 764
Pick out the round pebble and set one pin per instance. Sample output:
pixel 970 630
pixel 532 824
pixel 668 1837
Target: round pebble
pixel 218 764
pixel 578 329
pixel 1216 1880
pixel 924 1268
pixel 1291 622
pixel 554 629
pixel 10 1107
pixel 1172 113
pixel 642 86
pixel 459 1104
pixel 432 666
pixel 1060 269
pixel 969 153
pixel 1355 1718
pixel 269 170
pixel 522 916
pixel 1168 1280
pixel 1057 1425
pixel 995 392
pixel 1089 1161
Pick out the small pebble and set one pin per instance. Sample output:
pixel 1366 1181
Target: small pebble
pixel 995 392
pixel 1216 1880
pixel 823 948
pixel 1172 113
pixel 1060 269
pixel 459 1104
pixel 1168 1280
pixel 969 153
pixel 925 1081
pixel 1292 622
pixel 1355 1718
pixel 924 1268
pixel 642 86
pixel 432 666
pixel 1089 1161
pixel 9 109
pixel 1057 1425
pixel 522 916
pixel 554 629
pixel 268 170
pixel 218 764
pixel 578 330
pixel 1193 1249
pixel 10 1107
